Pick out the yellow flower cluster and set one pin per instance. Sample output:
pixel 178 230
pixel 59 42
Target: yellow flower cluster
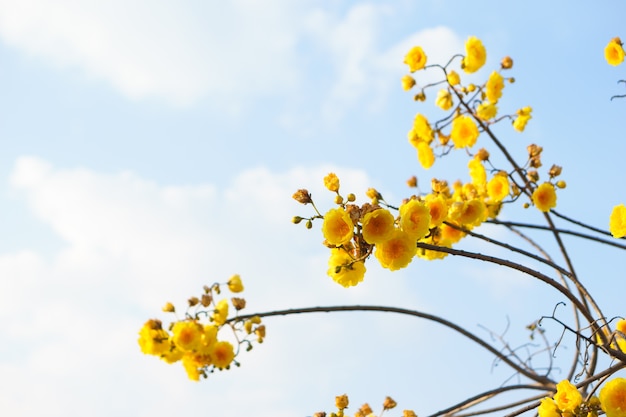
pixel 342 402
pixel 568 401
pixel 445 215
pixel 194 340
pixel 465 122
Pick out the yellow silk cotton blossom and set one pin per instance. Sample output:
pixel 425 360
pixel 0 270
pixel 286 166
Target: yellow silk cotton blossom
pixel 343 270
pixel 415 59
pixel 153 340
pixel 498 187
pixel 438 209
pixel 425 155
pixel 523 116
pixel 548 408
pixel 221 312
pixel 475 55
pixel 495 84
pixel 422 129
pixel 331 182
pixel 377 226
pixel 235 284
pixel 222 354
pixel 453 78
pixel 617 221
pixel 464 132
pixel 337 228
pixel 614 52
pixel 613 398
pixel 408 82
pixel 187 335
pixel 567 397
pixel 477 172
pixel 486 110
pixel 544 197
pixel 444 100
pixel 396 252
pixel 415 218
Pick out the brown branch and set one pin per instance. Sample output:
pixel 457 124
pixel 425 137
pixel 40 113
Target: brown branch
pixel 531 375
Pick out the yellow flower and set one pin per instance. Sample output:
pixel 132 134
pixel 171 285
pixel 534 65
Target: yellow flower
pixel 331 182
pixel 544 197
pixel 153 340
pixel 377 226
pixel 337 228
pixel 221 312
pixel 415 59
pixel 425 155
pixel 614 52
pixel 613 398
pixel 567 397
pixel 498 187
pixel 475 55
pixel 464 132
pixel 453 78
pixel 450 235
pixel 548 408
pixel 222 354
pixel 343 270
pixel 494 87
pixel 422 129
pixel 617 221
pixel 396 252
pixel 486 110
pixel 187 335
pixel 191 367
pixel 473 212
pixel 415 219
pixel 444 99
pixel 438 209
pixel 208 338
pixel 477 172
pixel 234 284
pixel 407 82
pixel 523 116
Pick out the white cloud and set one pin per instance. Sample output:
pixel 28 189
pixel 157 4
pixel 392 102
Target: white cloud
pixel 228 52
pixel 180 51
pixel 129 245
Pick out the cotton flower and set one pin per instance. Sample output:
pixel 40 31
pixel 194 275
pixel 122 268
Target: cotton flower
pixel 613 398
pixel 377 226
pixel 617 221
pixel 337 228
pixel 475 55
pixel 415 59
pixel 544 197
pixel 464 132
pixel 614 52
pixel 396 252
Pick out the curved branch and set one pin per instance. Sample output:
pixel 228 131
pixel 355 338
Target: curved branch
pixel 484 396
pixel 537 378
pixel 511 248
pixel 563 231
pixel 518 267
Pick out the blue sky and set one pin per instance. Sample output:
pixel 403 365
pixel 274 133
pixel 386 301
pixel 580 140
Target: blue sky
pixel 149 148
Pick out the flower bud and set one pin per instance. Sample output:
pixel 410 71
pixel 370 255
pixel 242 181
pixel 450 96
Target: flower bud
pixel 341 401
pixel 302 196
pixel 169 308
pixel 506 63
pixel 389 403
pixel 238 303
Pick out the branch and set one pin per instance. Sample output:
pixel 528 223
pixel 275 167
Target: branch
pixel 537 378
